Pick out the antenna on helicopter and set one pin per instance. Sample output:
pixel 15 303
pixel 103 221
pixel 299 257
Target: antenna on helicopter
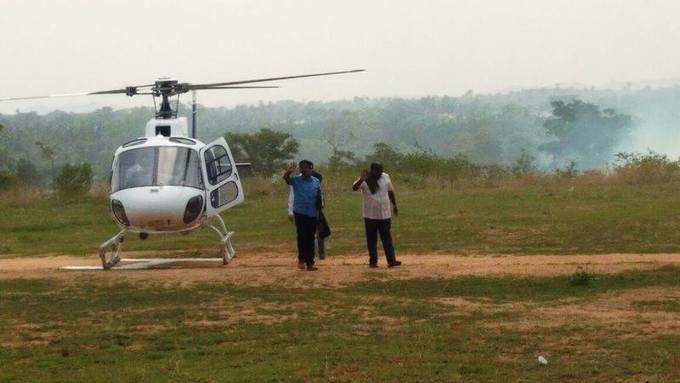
pixel 193 114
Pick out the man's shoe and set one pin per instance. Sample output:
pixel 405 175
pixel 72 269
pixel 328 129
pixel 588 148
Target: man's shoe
pixel 373 265
pixel 301 265
pixel 394 264
pixel 312 268
pixel 322 256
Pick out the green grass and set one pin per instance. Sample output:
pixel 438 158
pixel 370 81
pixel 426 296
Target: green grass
pixel 519 288
pixel 527 220
pixel 96 330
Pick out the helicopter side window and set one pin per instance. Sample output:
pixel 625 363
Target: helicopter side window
pixel 224 194
pixel 218 164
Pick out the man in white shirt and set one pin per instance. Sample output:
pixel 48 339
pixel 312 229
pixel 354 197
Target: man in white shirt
pixel 378 201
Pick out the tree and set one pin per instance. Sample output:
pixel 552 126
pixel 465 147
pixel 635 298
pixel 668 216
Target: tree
pixel 339 134
pixel 267 149
pixel 48 153
pixel 7 179
pixel 385 154
pixel 5 160
pixel 27 173
pixel 525 164
pixel 341 158
pixel 73 181
pixel 584 133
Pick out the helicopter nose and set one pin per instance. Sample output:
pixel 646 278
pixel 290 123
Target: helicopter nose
pixel 160 208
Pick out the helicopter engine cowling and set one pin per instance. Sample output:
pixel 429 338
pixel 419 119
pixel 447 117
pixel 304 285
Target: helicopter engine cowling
pixel 159 208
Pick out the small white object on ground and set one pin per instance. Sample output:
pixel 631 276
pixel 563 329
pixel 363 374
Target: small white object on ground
pixel 542 360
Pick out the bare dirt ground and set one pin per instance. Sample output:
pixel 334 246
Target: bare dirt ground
pixel 279 268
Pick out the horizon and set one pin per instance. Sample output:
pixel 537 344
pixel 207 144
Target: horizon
pixel 143 101
pixel 432 47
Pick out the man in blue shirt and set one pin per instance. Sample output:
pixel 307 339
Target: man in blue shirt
pixel 306 205
pixel 323 230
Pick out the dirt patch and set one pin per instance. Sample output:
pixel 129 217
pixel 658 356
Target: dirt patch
pixel 28 334
pixel 278 268
pixel 616 313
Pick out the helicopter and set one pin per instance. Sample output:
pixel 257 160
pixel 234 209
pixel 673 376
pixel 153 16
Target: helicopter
pixel 167 181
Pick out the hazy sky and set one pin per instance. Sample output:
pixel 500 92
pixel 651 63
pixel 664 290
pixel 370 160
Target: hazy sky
pixel 409 47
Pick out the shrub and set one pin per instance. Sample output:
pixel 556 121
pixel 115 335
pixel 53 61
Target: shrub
pixel 385 154
pixel 7 180
pixel 73 181
pixel 570 171
pixel 420 162
pixel 525 164
pixel 640 168
pixel 27 173
pixel 580 278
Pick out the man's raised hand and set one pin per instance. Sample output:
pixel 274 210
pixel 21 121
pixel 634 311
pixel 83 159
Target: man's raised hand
pixel 364 175
pixel 362 178
pixel 291 168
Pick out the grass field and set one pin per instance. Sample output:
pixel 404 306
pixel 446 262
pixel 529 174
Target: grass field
pixel 468 329
pixel 347 323
pixel 555 219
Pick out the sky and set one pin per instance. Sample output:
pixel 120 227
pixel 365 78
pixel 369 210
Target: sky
pixel 409 48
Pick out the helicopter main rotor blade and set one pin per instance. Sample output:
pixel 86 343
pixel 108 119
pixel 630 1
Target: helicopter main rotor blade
pixel 47 96
pixel 113 91
pixel 199 86
pixel 174 88
pixel 235 87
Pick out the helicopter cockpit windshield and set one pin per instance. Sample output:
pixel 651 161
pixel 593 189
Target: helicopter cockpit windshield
pixel 157 166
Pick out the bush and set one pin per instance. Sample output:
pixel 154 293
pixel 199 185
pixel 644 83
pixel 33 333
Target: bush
pixel 27 173
pixel 7 180
pixel 570 171
pixel 421 163
pixel 580 278
pixel 384 154
pixel 525 164
pixel 73 181
pixel 637 168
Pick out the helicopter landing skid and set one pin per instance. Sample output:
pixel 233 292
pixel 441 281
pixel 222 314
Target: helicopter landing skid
pixel 228 251
pixel 109 251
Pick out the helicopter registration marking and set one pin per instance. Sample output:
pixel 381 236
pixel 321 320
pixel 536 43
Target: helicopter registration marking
pixel 160 222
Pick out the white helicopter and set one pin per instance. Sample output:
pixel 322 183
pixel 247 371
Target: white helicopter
pixel 168 181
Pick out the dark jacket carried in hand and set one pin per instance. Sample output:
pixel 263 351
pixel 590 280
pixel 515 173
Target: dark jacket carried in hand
pixel 324 228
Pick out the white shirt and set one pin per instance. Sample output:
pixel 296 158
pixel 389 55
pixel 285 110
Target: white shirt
pixel 377 206
pixel 291 198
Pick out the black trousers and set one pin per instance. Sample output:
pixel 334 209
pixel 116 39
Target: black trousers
pixel 306 231
pixel 382 227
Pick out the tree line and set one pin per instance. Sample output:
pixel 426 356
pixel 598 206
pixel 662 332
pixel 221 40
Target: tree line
pixel 540 128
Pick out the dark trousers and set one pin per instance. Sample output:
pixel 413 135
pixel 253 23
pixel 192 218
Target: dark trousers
pixel 306 231
pixel 373 227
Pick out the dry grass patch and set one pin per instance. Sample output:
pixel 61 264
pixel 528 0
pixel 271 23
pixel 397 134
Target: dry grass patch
pixel 28 334
pixel 615 313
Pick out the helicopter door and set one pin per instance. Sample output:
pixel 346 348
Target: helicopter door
pixel 222 183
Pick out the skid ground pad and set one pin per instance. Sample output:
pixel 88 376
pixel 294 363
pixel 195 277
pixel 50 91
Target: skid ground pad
pixel 143 263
